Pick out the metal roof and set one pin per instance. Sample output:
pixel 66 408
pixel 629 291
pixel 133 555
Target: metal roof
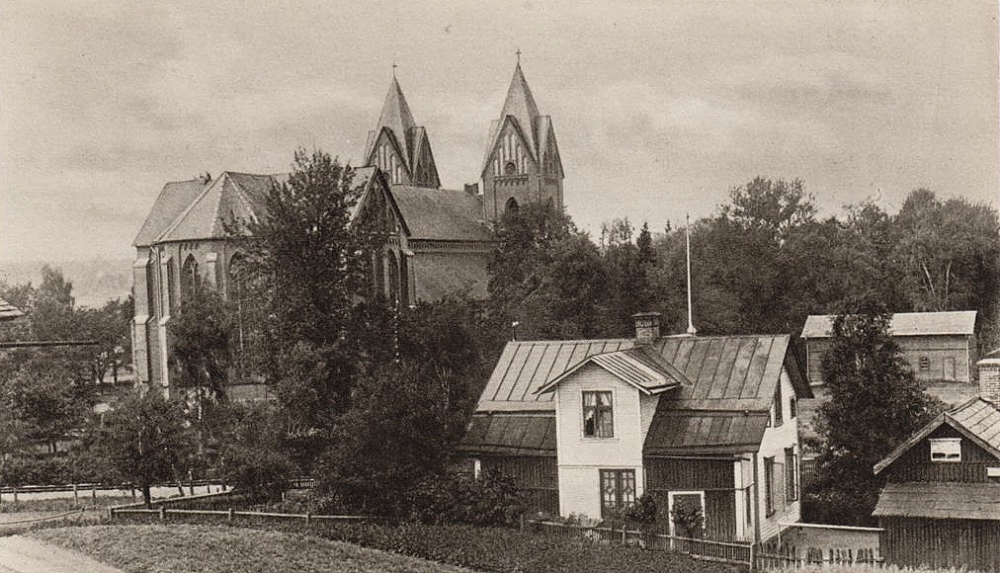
pixel 940 500
pixel 640 367
pixel 524 367
pixel 173 199
pixel 679 431
pixel 961 322
pixel 511 434
pixel 977 420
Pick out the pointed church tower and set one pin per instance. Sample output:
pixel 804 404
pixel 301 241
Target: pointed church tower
pixel 522 161
pixel 399 147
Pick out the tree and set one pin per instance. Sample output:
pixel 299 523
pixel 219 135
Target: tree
pixel 875 404
pixel 201 344
pixel 394 436
pixel 143 440
pixel 547 276
pixel 251 456
pixel 307 267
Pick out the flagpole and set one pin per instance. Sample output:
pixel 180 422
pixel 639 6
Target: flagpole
pixel 691 330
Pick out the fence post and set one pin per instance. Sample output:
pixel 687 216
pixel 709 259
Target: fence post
pixel 308 518
pixel 111 514
pixel 76 497
pixel 93 491
pixel 163 513
pixel 15 494
pixel 751 564
pixel 231 513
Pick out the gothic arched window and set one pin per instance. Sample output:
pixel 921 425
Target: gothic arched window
pixel 189 277
pixel 511 206
pixel 392 290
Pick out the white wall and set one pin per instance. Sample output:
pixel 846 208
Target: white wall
pixel 775 440
pixel 581 458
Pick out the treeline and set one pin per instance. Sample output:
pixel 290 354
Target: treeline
pixel 761 264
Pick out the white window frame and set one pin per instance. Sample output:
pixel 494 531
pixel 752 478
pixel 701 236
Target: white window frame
pixel 670 508
pixel 614 402
pixel 950 448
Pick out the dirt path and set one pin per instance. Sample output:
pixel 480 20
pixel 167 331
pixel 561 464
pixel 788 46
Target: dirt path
pixel 22 555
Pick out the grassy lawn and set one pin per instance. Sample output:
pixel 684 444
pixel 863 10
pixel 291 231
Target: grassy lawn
pixel 218 549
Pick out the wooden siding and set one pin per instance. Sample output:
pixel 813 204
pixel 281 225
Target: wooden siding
pixel 916 464
pixel 937 349
pixel 714 477
pixel 537 478
pixel 943 543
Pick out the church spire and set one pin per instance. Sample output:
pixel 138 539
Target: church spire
pixel 398 145
pixel 520 105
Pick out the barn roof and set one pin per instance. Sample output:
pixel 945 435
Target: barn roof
pixel 441 214
pixel 904 324
pixel 977 420
pixel 511 434
pixel 940 500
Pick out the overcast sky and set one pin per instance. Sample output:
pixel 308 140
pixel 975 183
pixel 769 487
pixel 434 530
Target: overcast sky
pixel 659 107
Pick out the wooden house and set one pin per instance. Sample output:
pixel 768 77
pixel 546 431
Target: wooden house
pixel 938 345
pixel 588 426
pixel 940 506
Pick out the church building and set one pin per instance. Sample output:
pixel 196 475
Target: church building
pixel 439 241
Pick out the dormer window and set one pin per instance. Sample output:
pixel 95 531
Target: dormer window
pixel 598 415
pixel 946 449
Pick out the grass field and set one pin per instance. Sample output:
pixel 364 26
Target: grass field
pixel 219 549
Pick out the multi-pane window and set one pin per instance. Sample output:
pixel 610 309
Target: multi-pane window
pixel 925 363
pixel 769 486
pixel 946 449
pixel 791 475
pixel 598 415
pixel 617 490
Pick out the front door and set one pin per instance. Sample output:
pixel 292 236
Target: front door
pixel 949 368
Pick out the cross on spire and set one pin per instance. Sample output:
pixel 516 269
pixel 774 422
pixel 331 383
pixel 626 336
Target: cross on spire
pixel 394 66
pixel 518 52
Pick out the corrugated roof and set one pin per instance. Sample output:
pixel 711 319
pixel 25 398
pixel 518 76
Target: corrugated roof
pixel 441 214
pixel 977 419
pixel 440 274
pixel 9 311
pixel 940 500
pixel 171 202
pixel 962 322
pixel 511 434
pixel 680 431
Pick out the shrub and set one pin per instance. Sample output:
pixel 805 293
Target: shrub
pixel 687 517
pixel 492 499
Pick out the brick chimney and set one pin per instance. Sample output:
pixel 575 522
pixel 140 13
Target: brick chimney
pixel 647 327
pixel 989 378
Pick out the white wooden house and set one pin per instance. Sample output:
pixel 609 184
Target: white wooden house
pixel 587 426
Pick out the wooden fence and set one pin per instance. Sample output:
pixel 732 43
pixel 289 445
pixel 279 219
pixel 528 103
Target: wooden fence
pixel 789 558
pixel 163 513
pixel 736 552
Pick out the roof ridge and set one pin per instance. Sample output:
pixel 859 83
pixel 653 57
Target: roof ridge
pixel 177 220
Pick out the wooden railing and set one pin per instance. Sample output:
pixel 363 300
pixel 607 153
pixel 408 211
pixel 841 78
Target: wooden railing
pixel 163 513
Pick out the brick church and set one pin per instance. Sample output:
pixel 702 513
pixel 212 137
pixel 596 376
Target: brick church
pixel 439 240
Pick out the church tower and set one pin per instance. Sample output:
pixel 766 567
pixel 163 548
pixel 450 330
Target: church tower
pixel 522 161
pixel 399 147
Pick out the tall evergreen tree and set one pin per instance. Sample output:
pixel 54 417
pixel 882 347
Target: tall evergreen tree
pixel 875 404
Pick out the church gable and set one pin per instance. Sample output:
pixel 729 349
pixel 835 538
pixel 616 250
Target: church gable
pixel 377 211
pixel 511 153
pixel 387 155
pixel 425 172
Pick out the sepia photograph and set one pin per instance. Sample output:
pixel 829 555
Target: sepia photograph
pixel 505 286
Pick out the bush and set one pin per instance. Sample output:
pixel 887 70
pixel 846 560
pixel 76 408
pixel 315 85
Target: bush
pixel 492 499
